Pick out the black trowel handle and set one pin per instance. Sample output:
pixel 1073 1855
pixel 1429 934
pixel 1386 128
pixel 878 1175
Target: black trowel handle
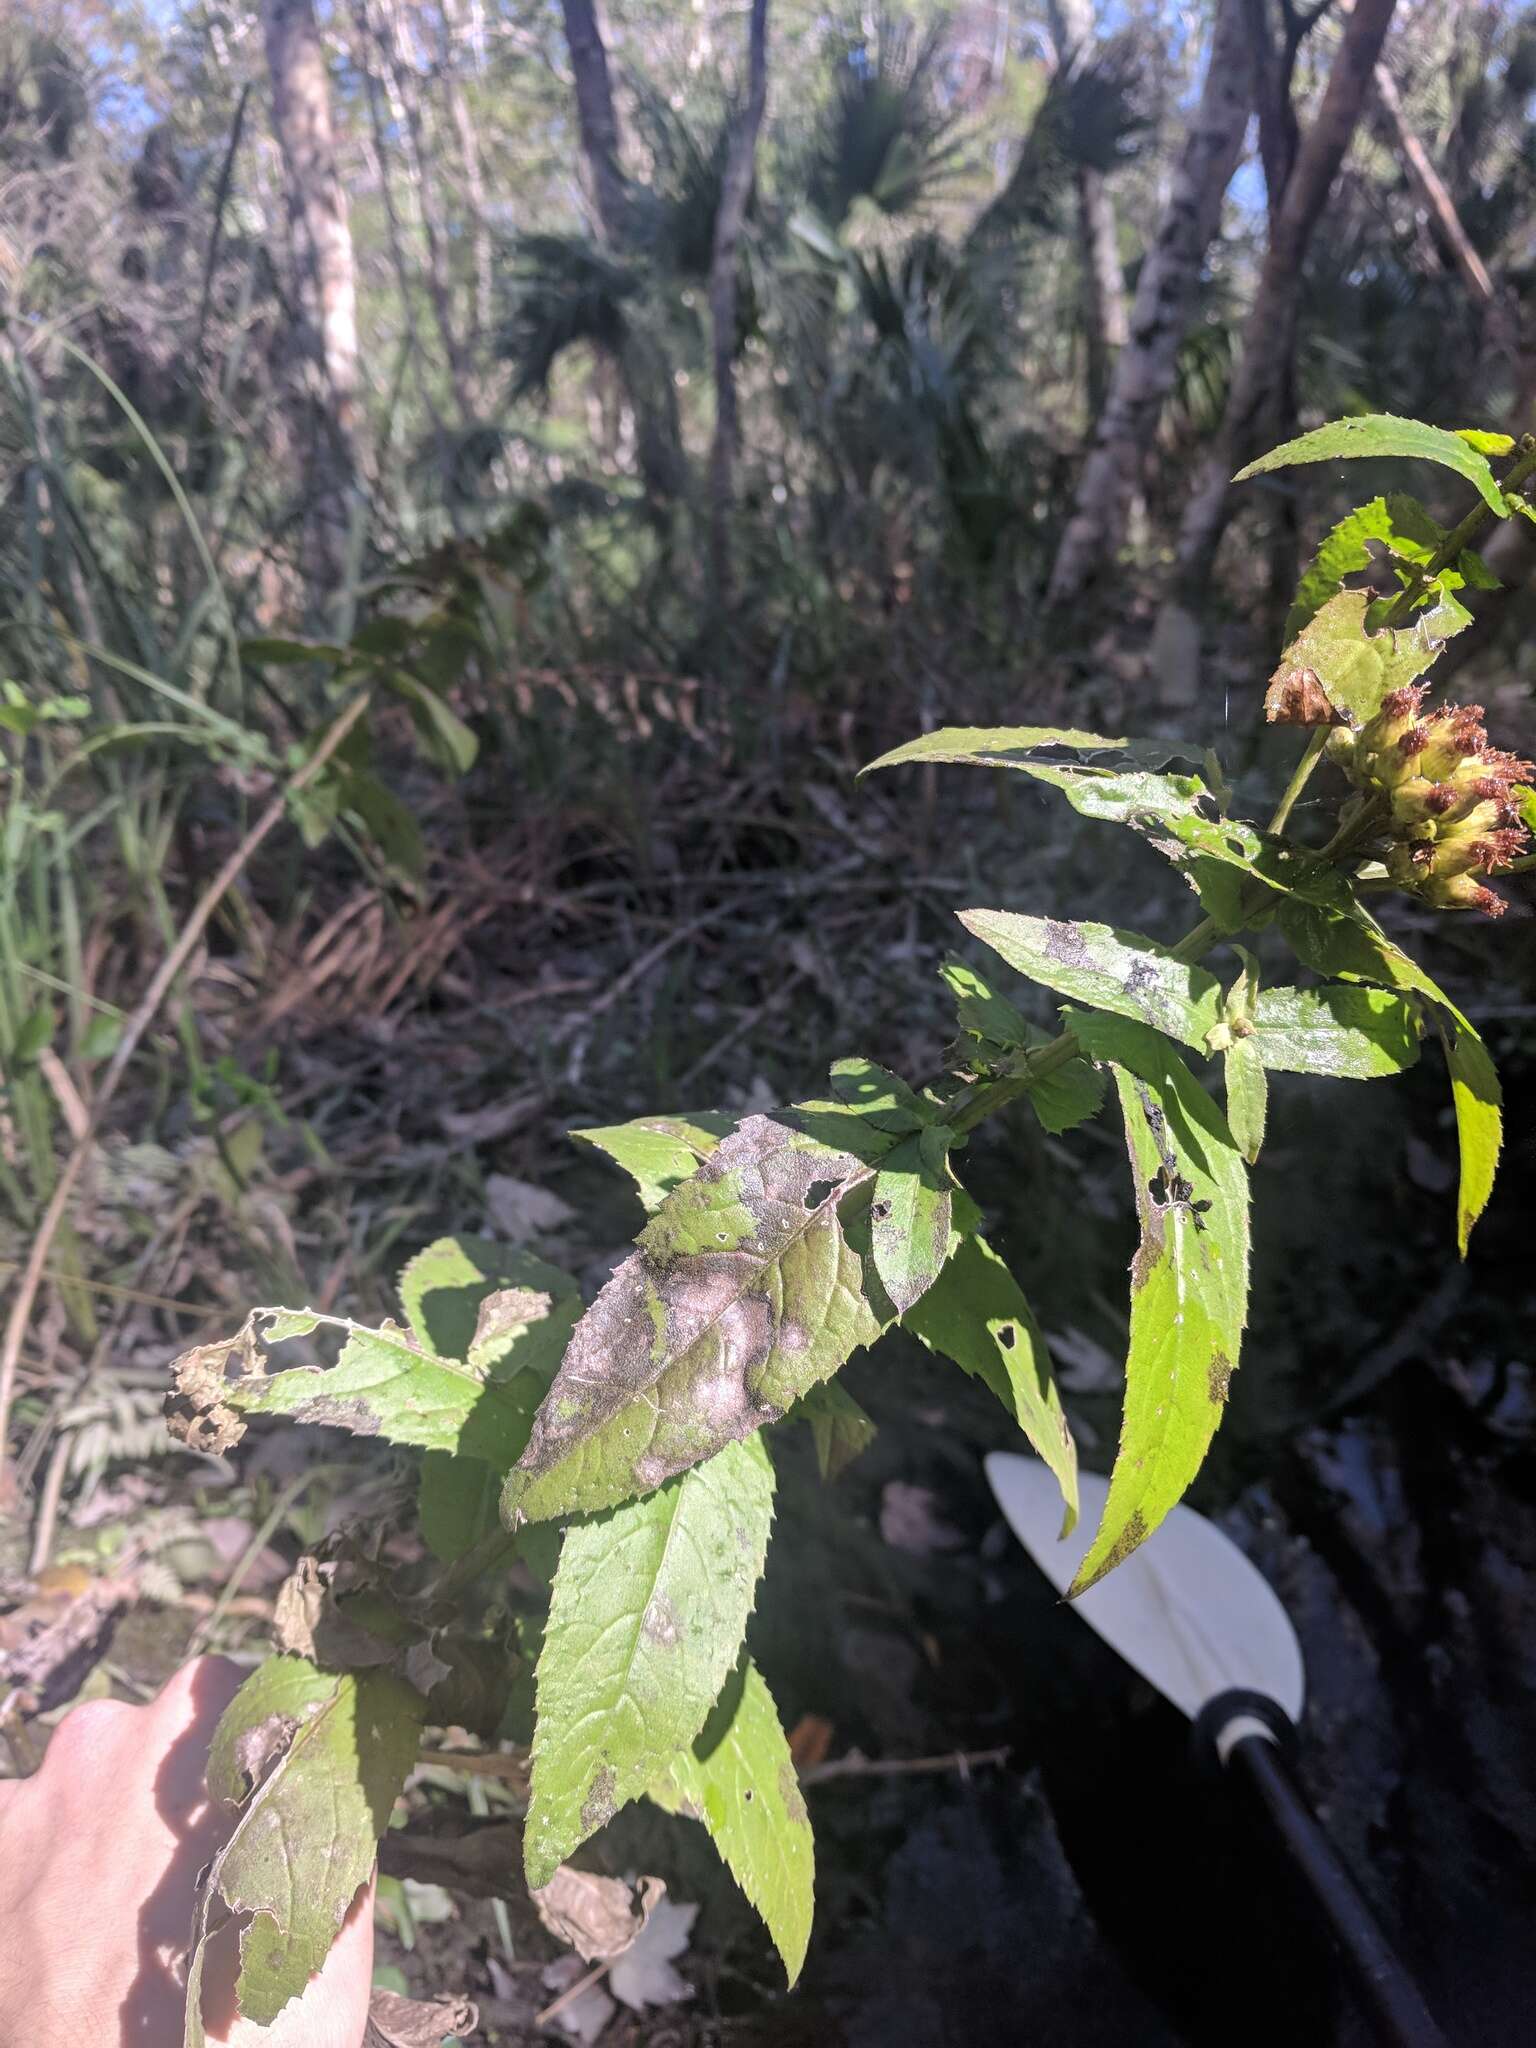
pixel 1248 1734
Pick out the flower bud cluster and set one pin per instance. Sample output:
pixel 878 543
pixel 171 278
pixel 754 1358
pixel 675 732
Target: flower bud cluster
pixel 1454 813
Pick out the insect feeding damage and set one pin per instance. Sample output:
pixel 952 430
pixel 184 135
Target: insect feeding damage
pixel 712 1327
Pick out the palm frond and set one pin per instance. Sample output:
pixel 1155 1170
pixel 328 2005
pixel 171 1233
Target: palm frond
pixel 565 290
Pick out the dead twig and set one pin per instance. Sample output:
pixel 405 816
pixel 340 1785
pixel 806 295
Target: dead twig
pixel 856 1765
pixel 572 1992
pixel 149 1004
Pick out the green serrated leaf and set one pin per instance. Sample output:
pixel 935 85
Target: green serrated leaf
pixel 910 1215
pixel 660 1152
pixel 443 1291
pixel 994 746
pixel 880 1095
pixel 1067 1096
pixel 1341 937
pixel 980 1012
pixel 1062 1098
pixel 1355 668
pixel 315 1761
pixel 1355 1033
pixel 1189 1281
pixel 645 1621
pixel 1476 572
pixel 744 1292
pixel 1247 1096
pixel 1112 970
pixel 1478 1101
pixel 1384 434
pixel 840 1429
pixel 738 1779
pixel 976 1314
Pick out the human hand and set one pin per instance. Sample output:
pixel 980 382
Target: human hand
pixel 99 1857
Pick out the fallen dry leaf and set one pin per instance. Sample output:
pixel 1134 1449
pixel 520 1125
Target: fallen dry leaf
pixel 599 1917
pixel 396 2022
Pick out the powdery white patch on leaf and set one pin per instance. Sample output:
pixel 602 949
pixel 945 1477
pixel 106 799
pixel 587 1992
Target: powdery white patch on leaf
pixel 745 1290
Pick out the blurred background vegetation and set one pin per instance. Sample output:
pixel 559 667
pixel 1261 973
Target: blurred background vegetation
pixel 598 435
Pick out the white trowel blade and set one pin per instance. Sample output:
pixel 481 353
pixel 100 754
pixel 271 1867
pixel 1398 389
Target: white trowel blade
pixel 1187 1610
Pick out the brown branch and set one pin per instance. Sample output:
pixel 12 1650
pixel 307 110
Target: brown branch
pixel 1429 189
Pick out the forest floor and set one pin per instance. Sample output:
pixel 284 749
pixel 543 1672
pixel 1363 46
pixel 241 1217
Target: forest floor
pixel 1013 1843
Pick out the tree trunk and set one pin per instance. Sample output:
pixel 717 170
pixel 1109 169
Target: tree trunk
pixel 730 216
pixel 322 240
pixel 1256 399
pixel 641 363
pixel 1429 189
pixel 1103 276
pixel 1165 293
pixel 595 115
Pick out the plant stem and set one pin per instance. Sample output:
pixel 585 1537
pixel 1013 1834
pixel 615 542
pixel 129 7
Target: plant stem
pixel 987 1097
pixel 1300 776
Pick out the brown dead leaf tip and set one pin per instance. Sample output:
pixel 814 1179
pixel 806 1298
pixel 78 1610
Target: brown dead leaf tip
pixel 1220 1376
pixel 1296 697
pixel 330 1411
pixel 195 1411
pixel 396 2022
pixel 262 1747
pixel 1130 1538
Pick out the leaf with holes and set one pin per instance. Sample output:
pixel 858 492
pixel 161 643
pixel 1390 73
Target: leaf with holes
pixel 1379 434
pixel 1112 970
pixel 976 1314
pixel 382 1384
pixel 738 1780
pixel 744 1292
pixel 314 1761
pixel 1397 524
pixel 1189 1281
pixel 645 1620
pixel 1338 660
